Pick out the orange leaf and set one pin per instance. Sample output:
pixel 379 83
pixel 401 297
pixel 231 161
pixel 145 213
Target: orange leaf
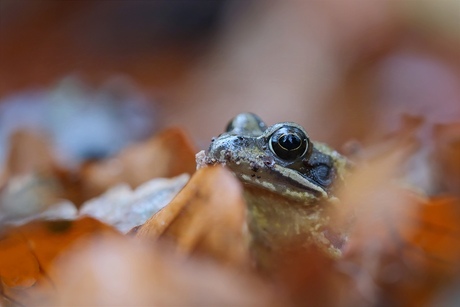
pixel 27 253
pixel 207 217
pixel 447 157
pixel 427 252
pixel 436 234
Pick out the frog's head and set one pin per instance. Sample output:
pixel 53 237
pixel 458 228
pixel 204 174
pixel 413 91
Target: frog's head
pixel 280 158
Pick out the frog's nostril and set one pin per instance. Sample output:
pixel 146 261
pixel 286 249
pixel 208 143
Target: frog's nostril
pixel 268 161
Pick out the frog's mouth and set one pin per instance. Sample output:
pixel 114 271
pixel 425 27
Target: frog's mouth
pixel 285 182
pixel 296 180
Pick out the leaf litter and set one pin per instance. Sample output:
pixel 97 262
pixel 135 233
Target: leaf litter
pixel 402 243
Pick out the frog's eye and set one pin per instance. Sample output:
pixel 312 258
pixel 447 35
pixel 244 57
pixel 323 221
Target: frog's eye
pixel 289 143
pixel 322 174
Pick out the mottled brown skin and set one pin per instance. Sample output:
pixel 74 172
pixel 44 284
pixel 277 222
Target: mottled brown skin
pixel 289 183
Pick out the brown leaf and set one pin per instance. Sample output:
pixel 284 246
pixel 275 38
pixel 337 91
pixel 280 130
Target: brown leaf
pixel 422 251
pixel 125 208
pixel 124 273
pixel 27 253
pixel 30 167
pixel 167 154
pixel 403 247
pixel 436 233
pixel 29 153
pixel 447 157
pixel 207 217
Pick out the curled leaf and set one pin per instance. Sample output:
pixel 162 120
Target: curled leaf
pixel 125 208
pixel 208 217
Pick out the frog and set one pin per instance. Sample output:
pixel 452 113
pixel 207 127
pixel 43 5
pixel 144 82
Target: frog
pixel 289 183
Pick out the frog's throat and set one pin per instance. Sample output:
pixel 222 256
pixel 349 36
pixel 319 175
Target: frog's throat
pixel 278 223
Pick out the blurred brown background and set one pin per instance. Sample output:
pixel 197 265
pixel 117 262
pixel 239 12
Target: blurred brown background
pixel 96 76
pixel 343 69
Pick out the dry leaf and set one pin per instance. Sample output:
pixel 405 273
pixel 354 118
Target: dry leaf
pixel 428 252
pixel 403 248
pixel 29 152
pixel 126 273
pixel 29 184
pixel 447 157
pixel 27 195
pixel 27 253
pixel 167 154
pixel 125 208
pixel 208 217
pixel 36 175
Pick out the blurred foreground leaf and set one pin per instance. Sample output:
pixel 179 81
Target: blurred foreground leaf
pixel 126 273
pixel 404 247
pixel 447 158
pixel 28 252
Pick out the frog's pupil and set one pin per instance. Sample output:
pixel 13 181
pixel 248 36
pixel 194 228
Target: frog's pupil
pixel 290 141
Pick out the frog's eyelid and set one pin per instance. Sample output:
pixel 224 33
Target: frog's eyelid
pixel 246 124
pixel 272 129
